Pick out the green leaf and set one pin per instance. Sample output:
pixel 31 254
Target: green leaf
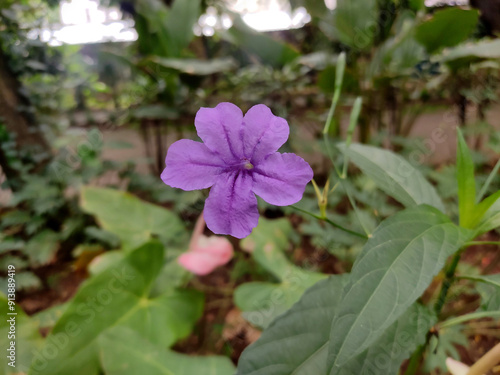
pixel 464 54
pixel 296 342
pixel 42 248
pixel 182 16
pixel 465 181
pixel 268 50
pixel 490 220
pixel 480 210
pixel 167 31
pixel 124 352
pixel 132 220
pixel 395 345
pixel 261 302
pixel 394 175
pixel 118 296
pixel 196 67
pixel 447 28
pixel 48 318
pixel 28 339
pixel 354 21
pixel 396 265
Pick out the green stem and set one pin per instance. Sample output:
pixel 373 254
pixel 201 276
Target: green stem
pixel 449 277
pixel 415 360
pixel 464 318
pixel 325 219
pixel 339 78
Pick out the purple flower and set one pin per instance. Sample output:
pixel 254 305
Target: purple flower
pixel 238 159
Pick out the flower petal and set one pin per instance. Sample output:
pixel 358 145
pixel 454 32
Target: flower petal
pixel 198 262
pixel 281 179
pixel 263 132
pixel 207 254
pixel 191 165
pixel 220 130
pixel 231 207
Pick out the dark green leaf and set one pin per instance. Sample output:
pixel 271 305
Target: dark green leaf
pixel 447 28
pixel 396 265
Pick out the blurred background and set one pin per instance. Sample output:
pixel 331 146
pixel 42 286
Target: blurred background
pixel 93 92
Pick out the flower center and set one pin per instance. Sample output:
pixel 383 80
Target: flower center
pixel 248 165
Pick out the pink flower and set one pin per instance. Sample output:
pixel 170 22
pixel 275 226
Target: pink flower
pixel 206 255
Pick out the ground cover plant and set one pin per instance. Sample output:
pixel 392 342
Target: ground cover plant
pixel 320 200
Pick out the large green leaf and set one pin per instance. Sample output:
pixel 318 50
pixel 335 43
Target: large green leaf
pixel 124 352
pixel 117 296
pixel 395 267
pixel 355 23
pixel 296 342
pixel 27 339
pixel 132 220
pixel 394 175
pixel 447 28
pixel 261 302
pixel 396 344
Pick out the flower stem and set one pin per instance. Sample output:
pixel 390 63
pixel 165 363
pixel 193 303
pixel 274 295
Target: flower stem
pixel 325 219
pixel 197 231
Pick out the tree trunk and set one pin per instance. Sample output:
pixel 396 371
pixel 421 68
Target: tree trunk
pixel 22 127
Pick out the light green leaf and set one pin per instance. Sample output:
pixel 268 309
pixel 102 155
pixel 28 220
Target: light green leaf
pixel 394 175
pixel 297 342
pixel 465 181
pixel 27 340
pixel 485 49
pixel 196 67
pixel 396 265
pixel 261 302
pixel 124 352
pixel 482 207
pixel 132 220
pixel 118 296
pixel 396 344
pixel 447 28
pixel 490 220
